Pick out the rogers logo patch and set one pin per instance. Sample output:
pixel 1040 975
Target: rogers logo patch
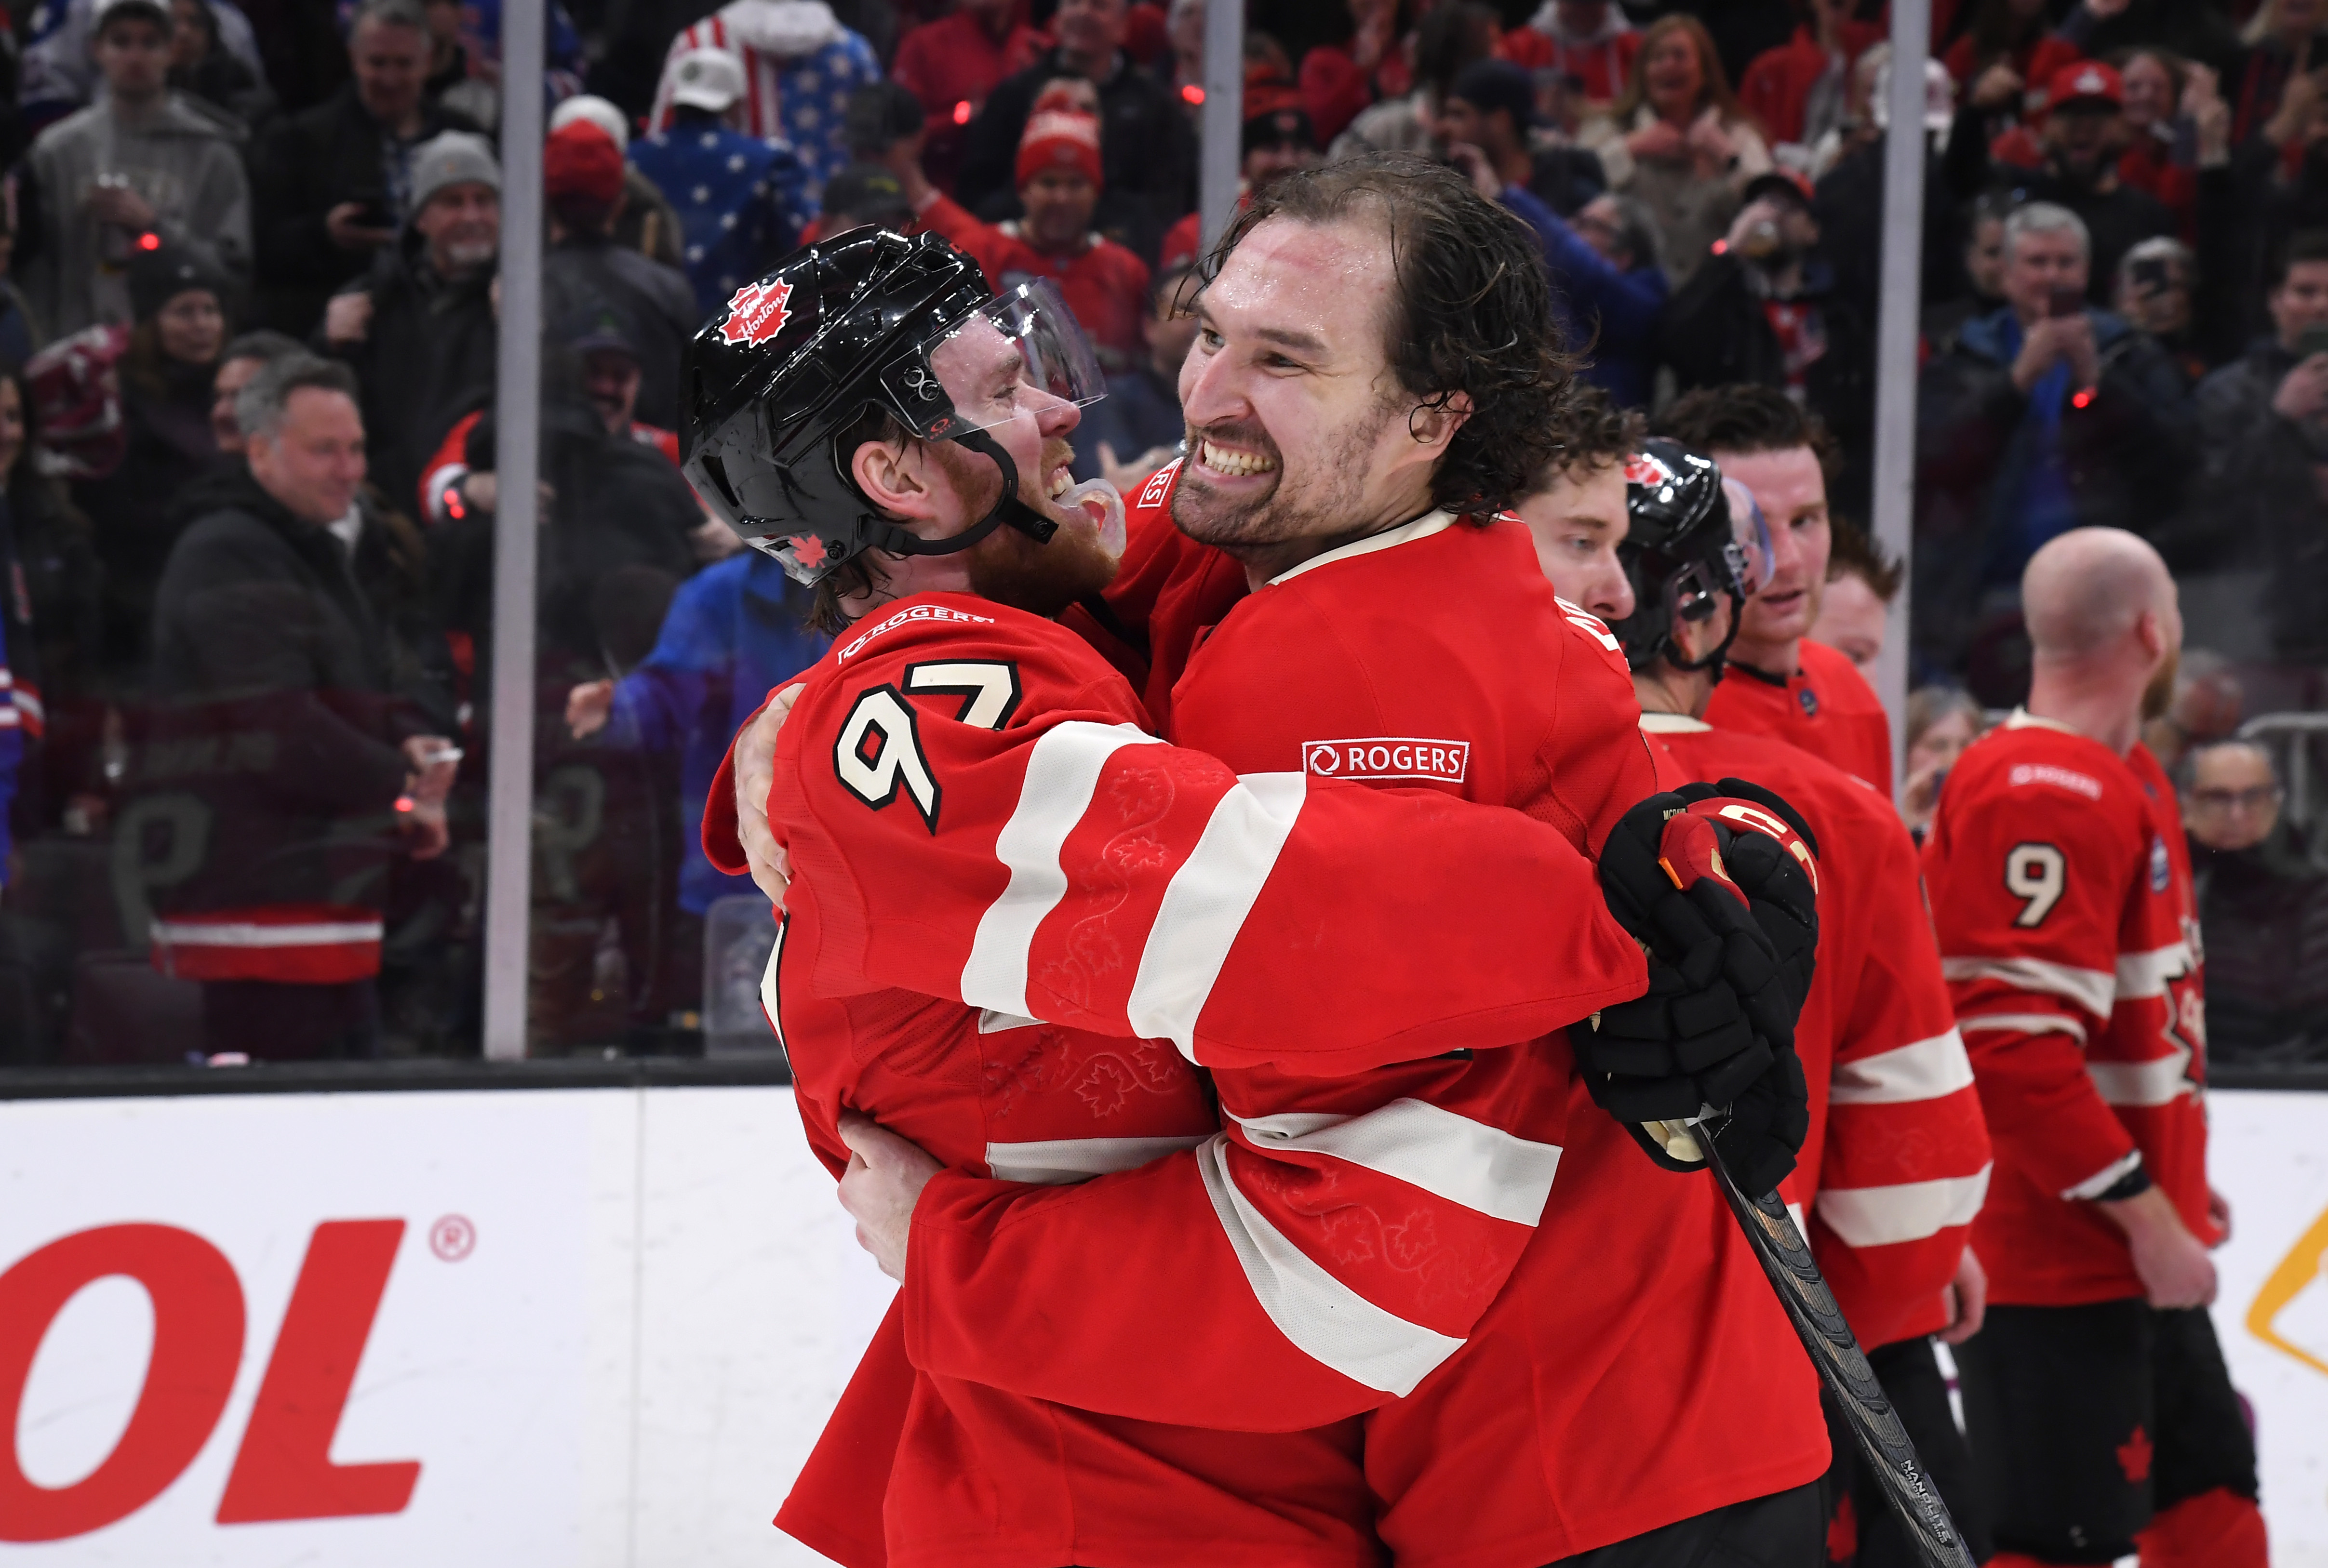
pixel 1160 483
pixel 2059 777
pixel 1388 757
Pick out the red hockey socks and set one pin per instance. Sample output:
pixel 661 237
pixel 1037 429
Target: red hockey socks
pixel 2217 1529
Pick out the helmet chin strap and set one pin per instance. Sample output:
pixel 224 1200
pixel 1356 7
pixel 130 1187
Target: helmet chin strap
pixel 895 540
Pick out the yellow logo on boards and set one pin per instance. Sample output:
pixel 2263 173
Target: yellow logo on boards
pixel 2297 1272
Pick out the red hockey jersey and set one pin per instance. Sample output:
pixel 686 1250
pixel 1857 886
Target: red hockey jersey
pixel 1826 707
pixel 1369 1221
pixel 2060 888
pixel 1897 1161
pixel 963 783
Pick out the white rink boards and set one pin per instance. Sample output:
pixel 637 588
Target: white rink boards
pixel 607 1324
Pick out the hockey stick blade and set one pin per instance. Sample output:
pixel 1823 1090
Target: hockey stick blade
pixel 1841 1366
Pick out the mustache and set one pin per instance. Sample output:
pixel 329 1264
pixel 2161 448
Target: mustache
pixel 1245 433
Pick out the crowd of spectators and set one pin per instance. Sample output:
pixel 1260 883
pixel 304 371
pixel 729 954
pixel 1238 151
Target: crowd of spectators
pixel 249 330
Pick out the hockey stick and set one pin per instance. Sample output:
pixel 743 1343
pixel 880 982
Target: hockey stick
pixel 1841 1365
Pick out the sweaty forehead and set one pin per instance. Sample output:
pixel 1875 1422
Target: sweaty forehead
pixel 1329 283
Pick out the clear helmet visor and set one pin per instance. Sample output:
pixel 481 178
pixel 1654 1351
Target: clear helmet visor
pixel 1018 355
pixel 1750 552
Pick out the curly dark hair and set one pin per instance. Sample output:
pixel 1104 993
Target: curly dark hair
pixel 1470 315
pixel 1592 432
pixel 1747 419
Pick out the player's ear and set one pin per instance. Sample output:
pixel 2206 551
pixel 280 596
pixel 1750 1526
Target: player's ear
pixel 2150 631
pixel 1435 423
pixel 895 477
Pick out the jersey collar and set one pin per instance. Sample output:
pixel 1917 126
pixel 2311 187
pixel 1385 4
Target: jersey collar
pixel 2021 719
pixel 1672 724
pixel 1422 527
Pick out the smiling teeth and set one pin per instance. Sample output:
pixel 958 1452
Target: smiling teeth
pixel 1227 460
pixel 1061 482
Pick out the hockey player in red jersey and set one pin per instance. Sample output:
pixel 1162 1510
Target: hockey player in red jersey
pixel 1332 1251
pixel 1783 684
pixel 2095 1400
pixel 1897 1160
pixel 1032 783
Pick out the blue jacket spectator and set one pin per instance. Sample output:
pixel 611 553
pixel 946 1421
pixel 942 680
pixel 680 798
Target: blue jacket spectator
pixel 1607 285
pixel 2043 417
pixel 734 631
pixel 740 201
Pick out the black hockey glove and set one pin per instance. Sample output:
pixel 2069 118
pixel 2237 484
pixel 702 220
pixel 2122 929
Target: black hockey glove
pixel 1716 1025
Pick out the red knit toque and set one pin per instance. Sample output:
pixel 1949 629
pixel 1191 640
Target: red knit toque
pixel 580 162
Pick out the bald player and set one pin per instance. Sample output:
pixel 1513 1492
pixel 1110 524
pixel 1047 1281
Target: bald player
pixel 2099 1414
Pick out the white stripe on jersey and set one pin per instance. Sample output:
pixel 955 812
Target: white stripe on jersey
pixel 1454 1157
pixel 1204 905
pixel 1063 770
pixel 1926 1070
pixel 2091 988
pixel 1063 1162
pixel 1322 1316
pixel 1874 1216
pixel 2145 974
pixel 2027 1023
pixel 2102 1180
pixel 2158 1082
pixel 770 1003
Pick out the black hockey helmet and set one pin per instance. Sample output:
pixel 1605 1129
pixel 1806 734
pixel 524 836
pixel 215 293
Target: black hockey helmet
pixel 866 319
pixel 1692 535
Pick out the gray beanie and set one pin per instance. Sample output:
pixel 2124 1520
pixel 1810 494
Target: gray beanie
pixel 453 158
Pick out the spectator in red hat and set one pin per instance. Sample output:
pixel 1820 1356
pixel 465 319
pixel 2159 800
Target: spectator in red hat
pixel 1149 154
pixel 2079 141
pixel 952 63
pixel 585 271
pixel 1106 285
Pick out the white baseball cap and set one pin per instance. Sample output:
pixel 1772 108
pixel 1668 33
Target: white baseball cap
pixel 707 79
pixel 596 111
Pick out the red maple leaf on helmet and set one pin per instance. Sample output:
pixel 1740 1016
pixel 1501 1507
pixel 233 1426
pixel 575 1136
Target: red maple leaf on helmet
pixel 757 313
pixel 1643 469
pixel 808 549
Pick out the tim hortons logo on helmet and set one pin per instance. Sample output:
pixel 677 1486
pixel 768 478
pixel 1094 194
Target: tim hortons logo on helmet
pixel 1387 756
pixel 757 313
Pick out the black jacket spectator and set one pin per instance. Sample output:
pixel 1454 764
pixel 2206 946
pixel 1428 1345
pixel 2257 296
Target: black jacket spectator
pixel 269 656
pixel 582 273
pixel 166 378
pixel 2264 912
pixel 616 505
pixel 1146 149
pixel 2116 216
pixel 304 167
pixel 1718 331
pixel 427 358
pixel 2261 511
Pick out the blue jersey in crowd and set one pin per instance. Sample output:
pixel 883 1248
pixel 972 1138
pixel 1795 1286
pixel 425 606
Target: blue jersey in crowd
pixel 733 632
pixel 740 202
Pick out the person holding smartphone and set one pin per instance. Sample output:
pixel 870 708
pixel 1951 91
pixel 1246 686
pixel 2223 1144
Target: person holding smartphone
pixel 2263 426
pixel 2046 414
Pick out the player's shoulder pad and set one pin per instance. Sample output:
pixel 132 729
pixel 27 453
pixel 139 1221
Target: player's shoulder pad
pixel 941 628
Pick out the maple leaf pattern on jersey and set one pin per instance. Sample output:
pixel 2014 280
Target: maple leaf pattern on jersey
pixel 1103 1073
pixel 1141 791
